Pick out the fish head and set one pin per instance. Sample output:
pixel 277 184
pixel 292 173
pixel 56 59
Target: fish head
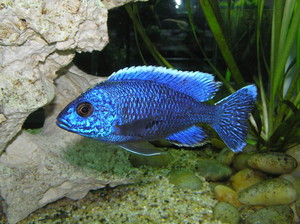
pixel 91 115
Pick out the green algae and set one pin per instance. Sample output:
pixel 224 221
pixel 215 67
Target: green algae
pixel 227 213
pixel 98 157
pixel 34 131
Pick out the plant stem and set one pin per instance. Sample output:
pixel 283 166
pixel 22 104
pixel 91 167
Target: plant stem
pixel 211 12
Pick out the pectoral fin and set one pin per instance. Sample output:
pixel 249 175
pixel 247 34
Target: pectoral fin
pixel 138 128
pixel 141 148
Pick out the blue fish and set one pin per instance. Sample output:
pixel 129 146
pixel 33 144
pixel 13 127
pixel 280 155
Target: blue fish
pixel 146 103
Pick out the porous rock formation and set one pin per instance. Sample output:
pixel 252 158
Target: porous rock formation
pixel 38 39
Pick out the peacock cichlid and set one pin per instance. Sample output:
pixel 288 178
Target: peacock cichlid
pixel 145 103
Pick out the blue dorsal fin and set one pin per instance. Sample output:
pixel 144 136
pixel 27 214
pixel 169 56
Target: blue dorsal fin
pixel 193 136
pixel 200 86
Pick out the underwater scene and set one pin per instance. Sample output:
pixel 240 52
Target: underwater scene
pixel 145 112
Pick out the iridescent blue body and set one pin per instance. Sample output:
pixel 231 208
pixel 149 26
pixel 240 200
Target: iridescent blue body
pixel 148 103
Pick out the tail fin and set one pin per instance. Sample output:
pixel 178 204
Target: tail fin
pixel 232 126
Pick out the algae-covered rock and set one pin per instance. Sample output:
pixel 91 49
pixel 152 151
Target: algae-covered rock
pixel 185 179
pixel 295 181
pixel 269 192
pixel 213 170
pixel 273 163
pixel 240 161
pixel 277 214
pixel 246 178
pixel 295 153
pixel 226 213
pixel 98 156
pixel 225 156
pixel 226 194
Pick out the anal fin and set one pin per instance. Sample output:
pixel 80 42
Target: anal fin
pixel 141 148
pixel 191 137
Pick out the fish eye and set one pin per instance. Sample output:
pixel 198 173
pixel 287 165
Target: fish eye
pixel 84 109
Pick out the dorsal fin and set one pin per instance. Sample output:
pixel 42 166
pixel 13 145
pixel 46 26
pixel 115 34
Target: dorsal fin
pixel 200 86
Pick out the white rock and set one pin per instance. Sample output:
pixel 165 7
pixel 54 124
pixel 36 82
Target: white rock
pixel 33 35
pixel 112 4
pixel 33 170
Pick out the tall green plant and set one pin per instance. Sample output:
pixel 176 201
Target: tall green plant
pixel 213 15
pixel 278 123
pixel 132 11
pixel 225 80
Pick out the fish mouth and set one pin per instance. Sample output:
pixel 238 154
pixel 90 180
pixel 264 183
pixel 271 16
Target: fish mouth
pixel 63 124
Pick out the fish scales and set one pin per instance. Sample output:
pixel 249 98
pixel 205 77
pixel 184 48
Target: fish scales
pixel 159 103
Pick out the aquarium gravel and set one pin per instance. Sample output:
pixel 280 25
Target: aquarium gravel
pixel 152 200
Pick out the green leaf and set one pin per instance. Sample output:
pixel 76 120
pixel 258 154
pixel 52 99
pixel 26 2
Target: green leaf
pixel 228 75
pixel 193 28
pixel 133 14
pixel 212 14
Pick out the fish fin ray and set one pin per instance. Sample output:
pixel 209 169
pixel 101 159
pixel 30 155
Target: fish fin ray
pixel 191 137
pixel 201 86
pixel 141 148
pixel 232 125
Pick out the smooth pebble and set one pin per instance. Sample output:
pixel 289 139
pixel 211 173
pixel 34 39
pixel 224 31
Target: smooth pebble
pixel 185 179
pixel 295 181
pixel 276 214
pixel 295 152
pixel 226 213
pixel 269 192
pixel 227 194
pixel 212 170
pixel 240 161
pixel 246 178
pixel 273 163
pixel 225 157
